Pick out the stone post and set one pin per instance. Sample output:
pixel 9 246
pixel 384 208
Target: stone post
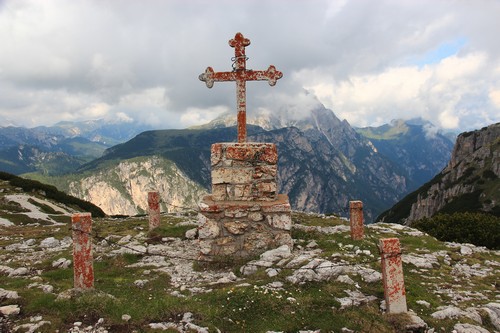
pixel 356 220
pixel 82 251
pixel 392 275
pixel 154 210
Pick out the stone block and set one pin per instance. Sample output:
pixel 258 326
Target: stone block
pixel 226 175
pixel 255 216
pixel 265 172
pixel 219 192
pixel 215 154
pixel 257 242
pixel 236 227
pixel 241 192
pixel 280 221
pixel 235 212
pixel 208 229
pixel 267 187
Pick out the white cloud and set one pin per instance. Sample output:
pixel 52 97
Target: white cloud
pixel 71 60
pixel 197 116
pixel 443 93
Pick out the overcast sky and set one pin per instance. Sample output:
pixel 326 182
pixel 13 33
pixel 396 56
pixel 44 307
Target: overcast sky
pixel 368 61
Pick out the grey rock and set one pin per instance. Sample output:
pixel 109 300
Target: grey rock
pixel 21 271
pixel 454 312
pixel 469 328
pixel 417 324
pixel 493 311
pixel 277 254
pixel 345 279
pixel 192 233
pixel 355 298
pixel 61 263
pixel 50 242
pixel 31 328
pixel 10 310
pixel 369 275
pixel 8 294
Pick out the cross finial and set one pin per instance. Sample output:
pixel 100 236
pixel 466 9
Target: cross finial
pixel 240 74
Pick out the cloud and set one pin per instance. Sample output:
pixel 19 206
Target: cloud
pixel 370 61
pixel 446 93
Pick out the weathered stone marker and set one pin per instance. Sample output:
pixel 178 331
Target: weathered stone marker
pixel 392 275
pixel 240 74
pixel 244 215
pixel 356 220
pixel 154 210
pixel 82 251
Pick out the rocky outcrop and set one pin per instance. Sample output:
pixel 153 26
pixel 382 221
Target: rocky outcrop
pixel 122 189
pixel 470 176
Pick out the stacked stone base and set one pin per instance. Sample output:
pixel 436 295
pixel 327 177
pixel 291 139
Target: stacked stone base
pixel 244 216
pixel 243 228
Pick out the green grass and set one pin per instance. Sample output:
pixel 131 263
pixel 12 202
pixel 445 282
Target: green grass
pixel 228 307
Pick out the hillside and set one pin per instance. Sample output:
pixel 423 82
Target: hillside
pixel 469 183
pixel 61 148
pixel 46 195
pixel 149 282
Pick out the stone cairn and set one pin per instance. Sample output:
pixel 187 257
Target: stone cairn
pixel 244 215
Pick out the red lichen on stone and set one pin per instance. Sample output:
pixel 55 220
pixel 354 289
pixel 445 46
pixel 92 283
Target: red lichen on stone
pixel 82 251
pixel 356 220
pixel 392 275
pixel 154 210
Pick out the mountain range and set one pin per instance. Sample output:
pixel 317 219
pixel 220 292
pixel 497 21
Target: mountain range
pixel 61 148
pixel 323 163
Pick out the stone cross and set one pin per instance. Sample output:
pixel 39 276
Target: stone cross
pixel 240 74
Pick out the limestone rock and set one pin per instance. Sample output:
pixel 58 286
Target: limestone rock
pixel 493 311
pixel 50 242
pixel 10 310
pixel 8 294
pixel 454 312
pixel 61 263
pixel 469 328
pixel 355 298
pixel 19 271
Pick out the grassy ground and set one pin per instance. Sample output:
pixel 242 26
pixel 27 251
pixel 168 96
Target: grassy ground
pixel 246 305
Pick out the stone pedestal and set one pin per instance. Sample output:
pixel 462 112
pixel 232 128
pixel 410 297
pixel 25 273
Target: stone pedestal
pixel 392 275
pixel 83 267
pixel 244 215
pixel 356 220
pixel 154 210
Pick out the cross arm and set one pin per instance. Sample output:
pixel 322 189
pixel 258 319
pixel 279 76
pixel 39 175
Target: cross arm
pixel 209 77
pixel 271 75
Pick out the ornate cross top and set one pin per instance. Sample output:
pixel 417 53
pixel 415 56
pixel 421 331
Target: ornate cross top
pixel 240 74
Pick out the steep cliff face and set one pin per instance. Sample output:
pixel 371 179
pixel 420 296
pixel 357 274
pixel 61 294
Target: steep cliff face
pixel 470 181
pixel 122 188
